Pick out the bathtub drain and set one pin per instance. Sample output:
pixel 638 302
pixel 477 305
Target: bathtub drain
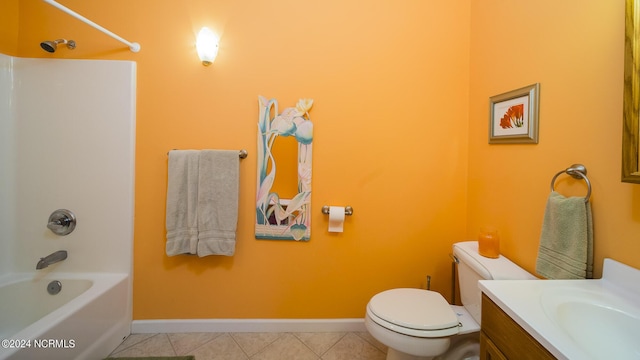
pixel 54 287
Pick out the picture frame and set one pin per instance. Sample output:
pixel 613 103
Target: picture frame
pixel 513 116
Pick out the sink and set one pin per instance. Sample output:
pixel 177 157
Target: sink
pixel 577 319
pixel 601 322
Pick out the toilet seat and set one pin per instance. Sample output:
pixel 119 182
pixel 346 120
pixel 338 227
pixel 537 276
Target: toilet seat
pixel 414 312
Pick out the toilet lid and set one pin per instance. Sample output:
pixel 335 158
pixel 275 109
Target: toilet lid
pixel 414 309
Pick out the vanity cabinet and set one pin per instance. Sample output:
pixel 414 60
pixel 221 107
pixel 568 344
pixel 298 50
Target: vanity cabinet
pixel 501 338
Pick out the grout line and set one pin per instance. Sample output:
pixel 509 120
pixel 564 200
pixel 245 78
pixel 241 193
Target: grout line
pixel 307 346
pixel 171 344
pixel 279 335
pixel 207 342
pixel 335 344
pixel 166 338
pixel 261 350
pixel 131 345
pixel 138 342
pixel 240 346
pixel 374 344
pixel 332 345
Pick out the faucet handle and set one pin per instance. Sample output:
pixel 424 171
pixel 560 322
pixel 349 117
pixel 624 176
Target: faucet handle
pixel 58 224
pixel 62 222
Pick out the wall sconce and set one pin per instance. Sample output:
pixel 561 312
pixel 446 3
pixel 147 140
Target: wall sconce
pixel 207 46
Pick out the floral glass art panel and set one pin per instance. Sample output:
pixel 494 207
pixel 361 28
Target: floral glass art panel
pixel 277 217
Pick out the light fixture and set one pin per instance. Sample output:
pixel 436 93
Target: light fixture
pixel 207 46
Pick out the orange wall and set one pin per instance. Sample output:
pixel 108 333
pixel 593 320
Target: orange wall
pixel 401 110
pixel 574 49
pixel 9 18
pixel 390 83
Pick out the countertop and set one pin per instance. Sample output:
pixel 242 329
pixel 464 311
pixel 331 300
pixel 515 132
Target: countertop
pixel 523 301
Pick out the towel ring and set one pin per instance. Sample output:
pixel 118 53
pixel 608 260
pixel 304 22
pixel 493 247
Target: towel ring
pixel 577 171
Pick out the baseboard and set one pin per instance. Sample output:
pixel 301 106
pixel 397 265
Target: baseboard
pixel 247 325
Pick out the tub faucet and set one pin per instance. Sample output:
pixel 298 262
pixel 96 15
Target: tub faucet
pixel 51 259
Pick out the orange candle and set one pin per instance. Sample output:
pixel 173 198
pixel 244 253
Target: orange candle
pixel 489 242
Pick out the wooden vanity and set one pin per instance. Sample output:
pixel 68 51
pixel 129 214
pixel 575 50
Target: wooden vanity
pixel 501 338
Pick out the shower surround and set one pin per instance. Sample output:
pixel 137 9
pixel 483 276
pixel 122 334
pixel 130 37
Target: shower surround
pixel 67 141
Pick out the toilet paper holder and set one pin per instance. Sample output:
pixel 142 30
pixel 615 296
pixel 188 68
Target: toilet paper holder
pixel 348 210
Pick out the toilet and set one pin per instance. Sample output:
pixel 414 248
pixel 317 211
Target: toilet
pixel 418 324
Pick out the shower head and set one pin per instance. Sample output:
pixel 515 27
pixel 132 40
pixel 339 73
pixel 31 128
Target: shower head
pixel 51 46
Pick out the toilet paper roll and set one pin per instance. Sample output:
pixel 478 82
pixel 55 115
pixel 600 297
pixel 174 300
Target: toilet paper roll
pixel 336 218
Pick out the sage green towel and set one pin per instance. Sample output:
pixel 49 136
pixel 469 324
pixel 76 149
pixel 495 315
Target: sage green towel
pixel 566 241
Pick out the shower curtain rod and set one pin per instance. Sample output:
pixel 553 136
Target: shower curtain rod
pixel 133 46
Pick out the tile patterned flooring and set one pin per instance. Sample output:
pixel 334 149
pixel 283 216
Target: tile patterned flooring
pixel 255 346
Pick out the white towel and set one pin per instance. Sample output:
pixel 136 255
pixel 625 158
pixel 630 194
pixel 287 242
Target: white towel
pixel 566 241
pixel 202 202
pixel 218 202
pixel 182 195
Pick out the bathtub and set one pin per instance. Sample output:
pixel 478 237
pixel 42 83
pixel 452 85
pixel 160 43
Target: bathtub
pixel 87 319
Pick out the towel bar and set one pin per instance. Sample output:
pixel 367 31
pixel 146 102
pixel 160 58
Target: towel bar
pixel 242 153
pixel 577 171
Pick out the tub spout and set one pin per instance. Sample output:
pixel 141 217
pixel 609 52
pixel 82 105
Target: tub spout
pixel 51 259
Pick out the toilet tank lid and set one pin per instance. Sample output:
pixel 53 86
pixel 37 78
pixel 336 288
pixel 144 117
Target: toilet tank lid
pixel 500 268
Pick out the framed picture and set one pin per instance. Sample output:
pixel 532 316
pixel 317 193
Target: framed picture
pixel 513 116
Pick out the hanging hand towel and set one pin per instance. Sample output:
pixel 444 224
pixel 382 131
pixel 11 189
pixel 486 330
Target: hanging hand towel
pixel 566 241
pixel 182 196
pixel 218 202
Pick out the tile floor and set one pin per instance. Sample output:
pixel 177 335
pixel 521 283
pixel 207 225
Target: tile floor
pixel 255 346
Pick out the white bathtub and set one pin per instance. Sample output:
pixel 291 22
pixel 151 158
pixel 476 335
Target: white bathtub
pixel 87 319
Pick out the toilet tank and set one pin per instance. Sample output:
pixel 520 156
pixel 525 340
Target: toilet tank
pixel 473 267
